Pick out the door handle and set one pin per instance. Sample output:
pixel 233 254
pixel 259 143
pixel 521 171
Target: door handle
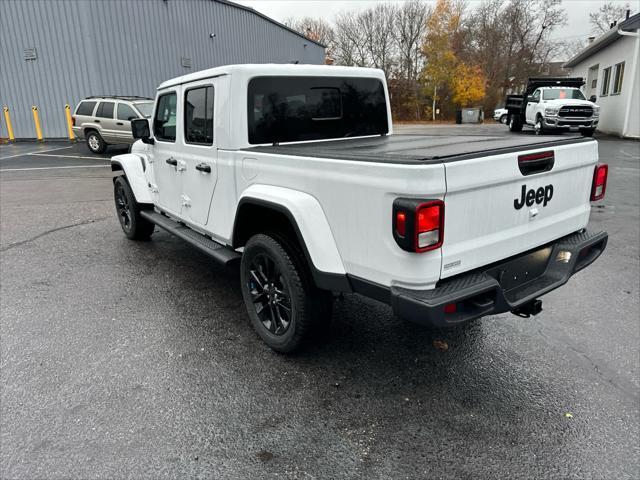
pixel 203 167
pixel 119 123
pixel 172 161
pixel 97 121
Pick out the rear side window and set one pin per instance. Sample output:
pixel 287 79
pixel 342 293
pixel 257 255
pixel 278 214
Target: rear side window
pixel 198 116
pixel 125 112
pixel 164 122
pixel 289 109
pixel 105 110
pixel 85 108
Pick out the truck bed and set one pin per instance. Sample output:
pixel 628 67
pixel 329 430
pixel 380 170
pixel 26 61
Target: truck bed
pixel 417 149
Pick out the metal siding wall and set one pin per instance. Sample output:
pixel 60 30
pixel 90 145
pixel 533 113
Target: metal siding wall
pixel 90 47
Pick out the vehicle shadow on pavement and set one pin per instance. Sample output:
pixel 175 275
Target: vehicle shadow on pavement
pixel 365 352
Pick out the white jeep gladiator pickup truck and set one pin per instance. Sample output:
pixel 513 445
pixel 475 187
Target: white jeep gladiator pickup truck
pixel 294 171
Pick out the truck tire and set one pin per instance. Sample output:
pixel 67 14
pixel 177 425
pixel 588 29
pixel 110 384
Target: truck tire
pixel 515 123
pixel 128 210
pixel 283 304
pixel 95 142
pixel 503 119
pixel 539 126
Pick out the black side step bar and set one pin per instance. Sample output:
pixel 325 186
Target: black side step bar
pixel 217 251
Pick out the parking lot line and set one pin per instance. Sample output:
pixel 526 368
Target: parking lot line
pixel 35 154
pixel 51 168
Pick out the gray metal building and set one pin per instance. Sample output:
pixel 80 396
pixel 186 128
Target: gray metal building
pixel 56 52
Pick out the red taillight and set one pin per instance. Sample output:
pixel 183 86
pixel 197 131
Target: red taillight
pixel 450 308
pixel 599 185
pixel 73 120
pixel 418 226
pixel 401 223
pixel 429 225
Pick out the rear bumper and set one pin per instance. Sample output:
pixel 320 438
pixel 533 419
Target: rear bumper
pixel 501 287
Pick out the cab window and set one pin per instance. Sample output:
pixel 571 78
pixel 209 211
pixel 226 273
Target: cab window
pixel 198 116
pixel 126 113
pixel 164 121
pixel 292 109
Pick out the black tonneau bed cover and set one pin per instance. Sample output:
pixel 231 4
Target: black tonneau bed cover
pixel 417 149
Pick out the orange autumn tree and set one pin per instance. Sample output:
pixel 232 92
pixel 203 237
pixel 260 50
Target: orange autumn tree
pixel 447 79
pixel 468 85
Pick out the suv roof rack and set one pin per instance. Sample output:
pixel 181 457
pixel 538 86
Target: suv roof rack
pixel 120 97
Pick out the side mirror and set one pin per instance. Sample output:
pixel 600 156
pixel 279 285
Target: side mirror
pixel 140 130
pixel 593 98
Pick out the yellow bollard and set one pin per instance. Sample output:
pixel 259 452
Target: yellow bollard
pixel 67 114
pixel 36 121
pixel 7 119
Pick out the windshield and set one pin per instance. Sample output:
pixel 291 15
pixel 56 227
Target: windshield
pixel 563 93
pixel 145 108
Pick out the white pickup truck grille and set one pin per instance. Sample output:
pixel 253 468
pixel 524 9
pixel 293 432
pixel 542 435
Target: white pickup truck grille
pixel 578 112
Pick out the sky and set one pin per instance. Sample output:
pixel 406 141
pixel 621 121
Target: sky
pixel 577 28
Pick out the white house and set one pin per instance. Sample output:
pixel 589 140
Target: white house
pixel 610 64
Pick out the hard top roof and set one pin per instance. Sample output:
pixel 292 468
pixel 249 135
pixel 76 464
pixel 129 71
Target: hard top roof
pixel 274 69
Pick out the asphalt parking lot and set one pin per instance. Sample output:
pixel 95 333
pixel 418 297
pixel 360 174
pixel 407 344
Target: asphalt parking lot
pixel 136 360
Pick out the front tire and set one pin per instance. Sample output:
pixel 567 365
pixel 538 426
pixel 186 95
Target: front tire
pixel 503 119
pixel 283 304
pixel 134 226
pixel 95 142
pixel 539 126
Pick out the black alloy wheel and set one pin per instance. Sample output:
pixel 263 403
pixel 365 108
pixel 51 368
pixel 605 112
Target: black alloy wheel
pixel 285 307
pixel 123 208
pixel 134 226
pixel 270 294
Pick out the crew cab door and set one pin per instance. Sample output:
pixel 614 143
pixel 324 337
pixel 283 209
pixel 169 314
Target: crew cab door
pixel 199 150
pixel 532 107
pixel 503 204
pixel 167 168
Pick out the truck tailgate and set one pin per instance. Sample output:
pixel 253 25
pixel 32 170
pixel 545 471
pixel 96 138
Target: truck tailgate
pixel 493 210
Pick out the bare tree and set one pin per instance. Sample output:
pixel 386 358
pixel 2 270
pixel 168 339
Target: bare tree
pixel 606 15
pixel 410 25
pixel 349 41
pixel 366 38
pixel 316 29
pixel 530 23
pixel 377 24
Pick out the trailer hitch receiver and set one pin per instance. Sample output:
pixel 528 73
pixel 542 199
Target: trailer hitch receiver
pixel 533 307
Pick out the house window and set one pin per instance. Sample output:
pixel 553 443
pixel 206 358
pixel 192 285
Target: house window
pixel 606 76
pixel 617 78
pixel 594 83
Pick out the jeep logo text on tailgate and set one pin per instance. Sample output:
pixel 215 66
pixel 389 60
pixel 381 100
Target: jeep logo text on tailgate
pixel 542 195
